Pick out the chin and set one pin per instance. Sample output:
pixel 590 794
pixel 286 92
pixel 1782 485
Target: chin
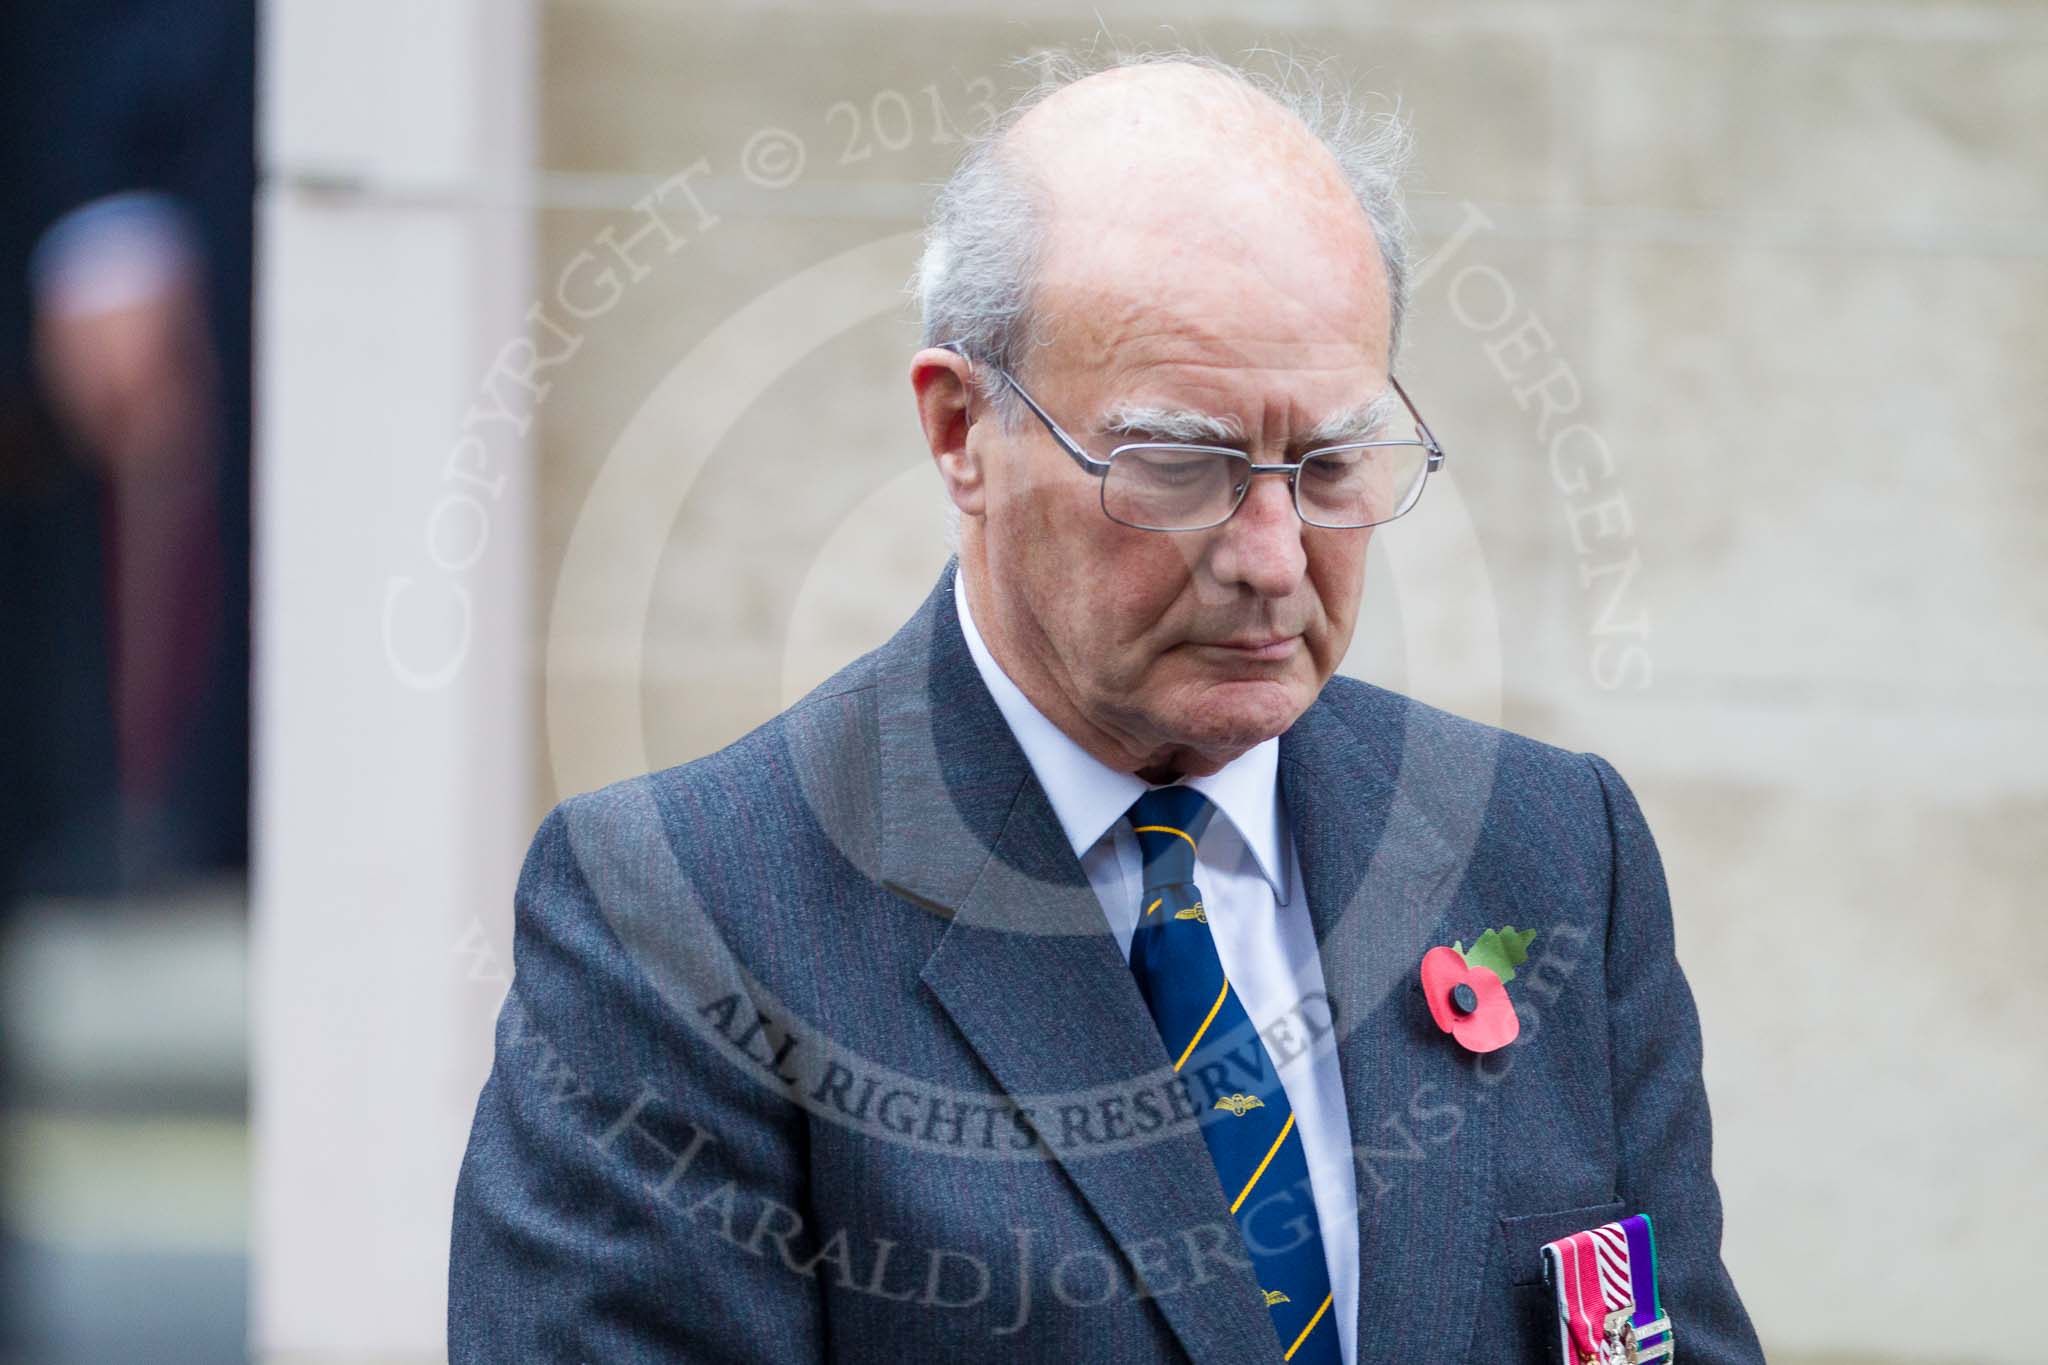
pixel 1236 716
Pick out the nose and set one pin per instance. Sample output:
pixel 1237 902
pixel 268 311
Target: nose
pixel 1261 546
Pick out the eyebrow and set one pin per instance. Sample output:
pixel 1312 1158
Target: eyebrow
pixel 1171 424
pixel 1359 422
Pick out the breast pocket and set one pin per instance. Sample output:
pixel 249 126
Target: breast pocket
pixel 1526 1234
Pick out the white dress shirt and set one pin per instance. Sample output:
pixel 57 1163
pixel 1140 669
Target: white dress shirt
pixel 1250 880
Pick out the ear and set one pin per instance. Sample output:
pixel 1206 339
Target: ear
pixel 943 383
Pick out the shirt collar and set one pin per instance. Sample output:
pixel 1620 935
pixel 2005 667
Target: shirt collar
pixel 1088 796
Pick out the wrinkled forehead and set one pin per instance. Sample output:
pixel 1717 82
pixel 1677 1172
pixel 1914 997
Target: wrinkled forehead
pixel 1237 313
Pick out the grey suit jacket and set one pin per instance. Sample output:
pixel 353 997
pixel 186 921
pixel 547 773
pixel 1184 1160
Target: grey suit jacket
pixel 819 1048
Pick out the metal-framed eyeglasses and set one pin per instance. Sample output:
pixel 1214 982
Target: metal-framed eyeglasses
pixel 1177 486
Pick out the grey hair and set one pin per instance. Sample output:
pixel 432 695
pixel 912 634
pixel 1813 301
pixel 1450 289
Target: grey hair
pixel 985 236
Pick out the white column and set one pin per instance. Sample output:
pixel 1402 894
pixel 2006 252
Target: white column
pixel 392 729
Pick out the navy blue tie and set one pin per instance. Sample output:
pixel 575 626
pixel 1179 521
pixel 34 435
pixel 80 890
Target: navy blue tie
pixel 1246 1120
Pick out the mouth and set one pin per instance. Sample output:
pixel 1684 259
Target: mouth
pixel 1259 649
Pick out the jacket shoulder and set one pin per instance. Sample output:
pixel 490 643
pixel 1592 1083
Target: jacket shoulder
pixel 1370 709
pixel 805 772
pixel 836 715
pixel 1532 792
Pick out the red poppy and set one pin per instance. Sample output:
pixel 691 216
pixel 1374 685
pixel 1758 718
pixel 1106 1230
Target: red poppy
pixel 1480 1016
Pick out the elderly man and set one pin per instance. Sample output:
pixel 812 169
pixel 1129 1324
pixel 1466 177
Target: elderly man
pixel 1083 975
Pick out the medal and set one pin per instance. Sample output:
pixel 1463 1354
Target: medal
pixel 1605 1280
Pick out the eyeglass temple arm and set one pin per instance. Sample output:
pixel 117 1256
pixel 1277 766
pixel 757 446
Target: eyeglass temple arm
pixel 1067 443
pixel 1436 450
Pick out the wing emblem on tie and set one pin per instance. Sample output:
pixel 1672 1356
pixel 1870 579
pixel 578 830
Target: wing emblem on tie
pixel 1240 1104
pixel 1193 912
pixel 1274 1296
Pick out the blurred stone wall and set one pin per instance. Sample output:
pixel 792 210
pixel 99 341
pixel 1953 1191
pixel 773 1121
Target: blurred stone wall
pixel 1734 325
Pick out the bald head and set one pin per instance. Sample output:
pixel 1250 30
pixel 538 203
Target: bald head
pixel 1177 197
pixel 1172 135
pixel 1168 161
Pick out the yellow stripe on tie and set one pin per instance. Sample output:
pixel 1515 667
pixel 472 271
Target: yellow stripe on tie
pixel 1155 905
pixel 1166 829
pixel 1285 1129
pixel 1204 1029
pixel 1310 1328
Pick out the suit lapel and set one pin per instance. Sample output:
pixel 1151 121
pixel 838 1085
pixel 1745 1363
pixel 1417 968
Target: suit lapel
pixel 1382 865
pixel 1027 969
pixel 1029 973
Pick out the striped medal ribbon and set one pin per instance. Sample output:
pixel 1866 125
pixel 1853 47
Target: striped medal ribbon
pixel 1606 1284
